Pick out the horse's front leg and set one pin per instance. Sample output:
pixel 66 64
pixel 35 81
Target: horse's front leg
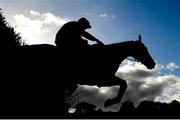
pixel 117 99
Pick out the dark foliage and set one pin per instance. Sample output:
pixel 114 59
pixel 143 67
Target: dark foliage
pixel 8 37
pixel 85 108
pixel 127 107
pixel 146 109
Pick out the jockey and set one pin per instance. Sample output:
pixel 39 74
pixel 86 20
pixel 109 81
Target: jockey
pixel 72 33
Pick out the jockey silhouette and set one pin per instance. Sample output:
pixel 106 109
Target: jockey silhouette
pixel 72 33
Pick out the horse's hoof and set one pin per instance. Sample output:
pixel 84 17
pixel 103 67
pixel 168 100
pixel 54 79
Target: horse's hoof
pixel 108 103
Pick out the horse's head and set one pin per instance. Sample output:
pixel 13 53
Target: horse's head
pixel 141 54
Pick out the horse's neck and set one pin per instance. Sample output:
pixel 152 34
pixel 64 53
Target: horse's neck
pixel 123 49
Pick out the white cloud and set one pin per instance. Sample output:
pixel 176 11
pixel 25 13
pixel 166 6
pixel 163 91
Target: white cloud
pixel 35 13
pixel 105 15
pixel 37 28
pixel 172 66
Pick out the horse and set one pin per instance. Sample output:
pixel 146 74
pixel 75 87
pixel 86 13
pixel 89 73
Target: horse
pixel 55 70
pixel 100 64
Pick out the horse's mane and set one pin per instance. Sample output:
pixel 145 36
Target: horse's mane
pixel 122 44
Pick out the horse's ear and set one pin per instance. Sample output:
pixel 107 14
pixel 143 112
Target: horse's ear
pixel 140 38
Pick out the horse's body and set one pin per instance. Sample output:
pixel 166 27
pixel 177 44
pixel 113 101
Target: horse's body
pixel 96 65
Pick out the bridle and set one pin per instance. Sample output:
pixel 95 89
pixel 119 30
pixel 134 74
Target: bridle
pixel 140 39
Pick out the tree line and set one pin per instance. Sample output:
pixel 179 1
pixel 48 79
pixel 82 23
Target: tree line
pixel 9 38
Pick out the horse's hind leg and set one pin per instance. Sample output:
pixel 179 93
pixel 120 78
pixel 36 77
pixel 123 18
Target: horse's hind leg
pixel 117 99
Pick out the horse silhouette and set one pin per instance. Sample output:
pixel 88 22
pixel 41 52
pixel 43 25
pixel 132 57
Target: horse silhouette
pixel 46 72
pixel 97 66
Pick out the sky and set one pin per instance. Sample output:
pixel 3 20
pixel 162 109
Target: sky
pixel 112 21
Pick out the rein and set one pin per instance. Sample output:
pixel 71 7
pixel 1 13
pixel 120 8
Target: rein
pixel 133 59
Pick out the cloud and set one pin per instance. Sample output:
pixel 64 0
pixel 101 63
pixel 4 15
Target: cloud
pixel 36 28
pixel 105 15
pixel 146 84
pixel 94 95
pixel 171 91
pixel 143 84
pixel 172 66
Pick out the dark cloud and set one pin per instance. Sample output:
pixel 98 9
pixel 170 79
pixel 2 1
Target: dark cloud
pixel 138 91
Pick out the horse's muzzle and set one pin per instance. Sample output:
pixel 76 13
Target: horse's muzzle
pixel 151 66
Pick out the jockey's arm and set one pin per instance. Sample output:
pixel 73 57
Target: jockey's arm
pixel 90 37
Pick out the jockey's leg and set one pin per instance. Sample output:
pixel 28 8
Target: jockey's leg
pixel 117 99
